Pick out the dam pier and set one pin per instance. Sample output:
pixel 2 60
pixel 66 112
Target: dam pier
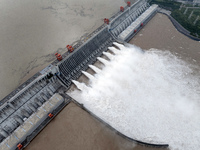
pixel 29 108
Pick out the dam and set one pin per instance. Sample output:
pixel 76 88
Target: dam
pixel 29 108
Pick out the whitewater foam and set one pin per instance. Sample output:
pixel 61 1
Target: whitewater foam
pixel 152 97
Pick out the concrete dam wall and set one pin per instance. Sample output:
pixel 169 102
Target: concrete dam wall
pixel 124 19
pixel 71 67
pixel 39 97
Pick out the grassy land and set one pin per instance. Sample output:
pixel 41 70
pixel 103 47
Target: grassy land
pixel 178 14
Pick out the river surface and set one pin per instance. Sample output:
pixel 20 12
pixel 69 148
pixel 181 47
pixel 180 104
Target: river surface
pixel 160 33
pixel 154 36
pixel 151 96
pixel 32 31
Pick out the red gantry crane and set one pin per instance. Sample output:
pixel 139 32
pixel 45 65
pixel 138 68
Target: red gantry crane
pixel 106 20
pixel 58 56
pixel 70 48
pixel 121 9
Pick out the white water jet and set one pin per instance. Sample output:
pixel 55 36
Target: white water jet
pixel 120 46
pixel 114 50
pixel 109 55
pixel 80 86
pixel 89 76
pixel 102 60
pixel 95 69
pixel 153 97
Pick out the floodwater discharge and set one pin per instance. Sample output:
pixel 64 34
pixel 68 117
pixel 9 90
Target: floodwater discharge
pixel 152 96
pixel 95 69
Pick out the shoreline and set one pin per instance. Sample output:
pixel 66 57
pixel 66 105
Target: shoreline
pixel 179 27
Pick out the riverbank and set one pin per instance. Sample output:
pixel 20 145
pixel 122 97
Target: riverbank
pixel 178 26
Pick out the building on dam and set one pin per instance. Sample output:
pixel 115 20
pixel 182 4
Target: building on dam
pixel 29 108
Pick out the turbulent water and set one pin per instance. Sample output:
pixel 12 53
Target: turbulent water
pixel 150 96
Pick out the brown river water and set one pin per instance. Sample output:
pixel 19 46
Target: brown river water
pixel 81 131
pixel 32 31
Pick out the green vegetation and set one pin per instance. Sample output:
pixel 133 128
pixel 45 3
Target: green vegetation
pixel 181 15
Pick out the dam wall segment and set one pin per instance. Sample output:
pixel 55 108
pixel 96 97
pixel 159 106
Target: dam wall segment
pixel 39 96
pixel 121 22
pixel 71 67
